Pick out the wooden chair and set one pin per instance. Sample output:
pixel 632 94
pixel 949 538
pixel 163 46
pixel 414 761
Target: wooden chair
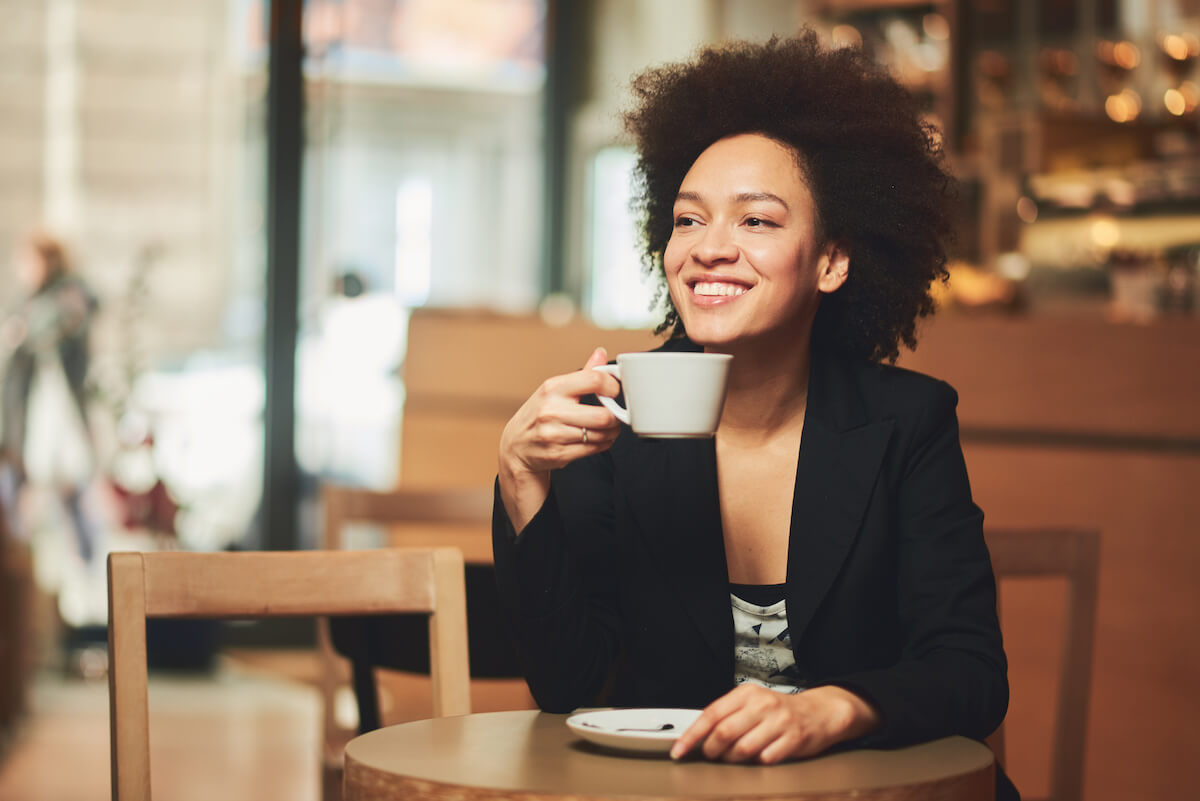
pixel 1074 555
pixel 462 508
pixel 279 584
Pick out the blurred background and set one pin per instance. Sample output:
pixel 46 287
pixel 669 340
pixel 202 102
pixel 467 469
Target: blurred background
pixel 249 247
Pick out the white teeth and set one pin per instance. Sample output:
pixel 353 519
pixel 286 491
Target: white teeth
pixel 710 288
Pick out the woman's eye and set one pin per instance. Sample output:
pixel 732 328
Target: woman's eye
pixel 758 222
pixel 684 222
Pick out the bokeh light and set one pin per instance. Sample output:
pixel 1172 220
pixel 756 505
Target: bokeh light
pixel 1124 106
pixel 1174 101
pixel 936 27
pixel 845 36
pixel 1105 232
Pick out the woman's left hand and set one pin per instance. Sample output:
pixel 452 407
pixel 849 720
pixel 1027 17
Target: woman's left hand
pixel 754 724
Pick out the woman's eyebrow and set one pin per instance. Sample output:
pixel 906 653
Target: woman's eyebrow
pixel 750 197
pixel 742 197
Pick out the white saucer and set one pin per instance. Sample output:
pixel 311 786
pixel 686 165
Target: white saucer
pixel 648 730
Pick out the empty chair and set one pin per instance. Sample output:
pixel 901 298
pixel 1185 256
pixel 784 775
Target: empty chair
pixel 1074 555
pixel 277 584
pixel 453 516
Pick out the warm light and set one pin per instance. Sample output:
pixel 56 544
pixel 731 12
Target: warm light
pixel 1175 47
pixel 1123 107
pixel 1126 55
pixel 1191 96
pixel 1105 232
pixel 1116 109
pixel 845 36
pixel 1027 210
pixel 1180 47
pixel 936 26
pixel 1175 102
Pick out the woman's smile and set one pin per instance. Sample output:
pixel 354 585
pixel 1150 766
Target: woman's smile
pixel 744 259
pixel 712 292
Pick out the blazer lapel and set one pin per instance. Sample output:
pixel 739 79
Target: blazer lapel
pixel 840 455
pixel 672 492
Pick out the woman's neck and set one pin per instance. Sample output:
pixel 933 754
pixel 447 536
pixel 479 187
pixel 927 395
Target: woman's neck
pixel 767 390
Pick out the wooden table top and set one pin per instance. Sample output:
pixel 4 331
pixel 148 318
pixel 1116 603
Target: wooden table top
pixel 533 756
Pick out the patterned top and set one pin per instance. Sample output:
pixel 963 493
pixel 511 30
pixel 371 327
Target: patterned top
pixel 762 647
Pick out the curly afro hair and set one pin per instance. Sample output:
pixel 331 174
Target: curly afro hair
pixel 873 166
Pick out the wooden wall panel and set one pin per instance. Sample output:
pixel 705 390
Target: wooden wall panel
pixel 1074 375
pixel 476 356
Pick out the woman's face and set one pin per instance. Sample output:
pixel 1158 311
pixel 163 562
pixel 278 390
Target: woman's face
pixel 744 263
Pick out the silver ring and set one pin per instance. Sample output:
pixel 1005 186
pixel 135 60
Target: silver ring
pixel 585 433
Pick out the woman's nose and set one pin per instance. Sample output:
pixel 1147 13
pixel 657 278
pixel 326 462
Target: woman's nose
pixel 716 247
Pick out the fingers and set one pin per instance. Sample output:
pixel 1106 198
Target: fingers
pixel 557 439
pixel 747 724
pixel 752 723
pixel 730 738
pixel 582 382
pixel 703 726
pixel 599 356
pixel 552 428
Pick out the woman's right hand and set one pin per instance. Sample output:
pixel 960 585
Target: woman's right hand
pixel 551 430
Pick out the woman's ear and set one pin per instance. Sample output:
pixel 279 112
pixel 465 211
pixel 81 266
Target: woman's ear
pixel 834 267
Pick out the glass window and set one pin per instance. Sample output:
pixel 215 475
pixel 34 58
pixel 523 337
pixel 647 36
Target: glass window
pixel 422 188
pixel 620 294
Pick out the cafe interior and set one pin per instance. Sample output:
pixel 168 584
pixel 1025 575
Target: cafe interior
pixel 328 247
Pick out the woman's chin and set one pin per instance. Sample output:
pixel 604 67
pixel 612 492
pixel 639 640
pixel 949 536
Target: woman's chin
pixel 710 337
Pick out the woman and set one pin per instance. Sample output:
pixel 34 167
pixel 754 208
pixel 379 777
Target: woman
pixel 44 435
pixel 795 208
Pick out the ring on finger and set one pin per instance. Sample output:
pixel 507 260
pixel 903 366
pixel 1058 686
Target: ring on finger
pixel 584 437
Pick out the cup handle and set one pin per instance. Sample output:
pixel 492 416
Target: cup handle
pixel 621 413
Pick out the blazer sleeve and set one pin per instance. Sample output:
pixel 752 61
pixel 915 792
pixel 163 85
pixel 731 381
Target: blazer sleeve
pixel 951 676
pixel 558 586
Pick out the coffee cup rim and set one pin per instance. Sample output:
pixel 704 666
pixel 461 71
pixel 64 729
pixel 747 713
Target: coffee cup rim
pixel 674 354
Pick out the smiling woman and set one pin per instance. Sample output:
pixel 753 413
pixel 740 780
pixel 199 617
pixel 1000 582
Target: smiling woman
pixel 873 168
pixel 816 573
pixel 743 261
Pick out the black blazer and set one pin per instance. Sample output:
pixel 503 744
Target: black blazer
pixel 890 591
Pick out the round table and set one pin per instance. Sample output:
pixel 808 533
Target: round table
pixel 533 756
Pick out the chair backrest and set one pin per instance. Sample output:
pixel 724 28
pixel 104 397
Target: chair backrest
pixel 453 506
pixel 453 516
pixel 1074 555
pixel 278 584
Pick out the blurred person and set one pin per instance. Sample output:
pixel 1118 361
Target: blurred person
pixel 816 574
pixel 44 436
pixel 349 392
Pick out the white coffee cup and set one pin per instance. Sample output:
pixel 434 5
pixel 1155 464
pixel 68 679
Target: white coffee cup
pixel 670 395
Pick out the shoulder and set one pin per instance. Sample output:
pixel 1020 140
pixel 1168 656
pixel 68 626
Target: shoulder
pixel 898 393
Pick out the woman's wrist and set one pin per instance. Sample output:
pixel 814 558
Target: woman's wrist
pixel 523 493
pixel 853 718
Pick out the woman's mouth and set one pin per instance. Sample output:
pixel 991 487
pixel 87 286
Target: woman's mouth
pixel 714 292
